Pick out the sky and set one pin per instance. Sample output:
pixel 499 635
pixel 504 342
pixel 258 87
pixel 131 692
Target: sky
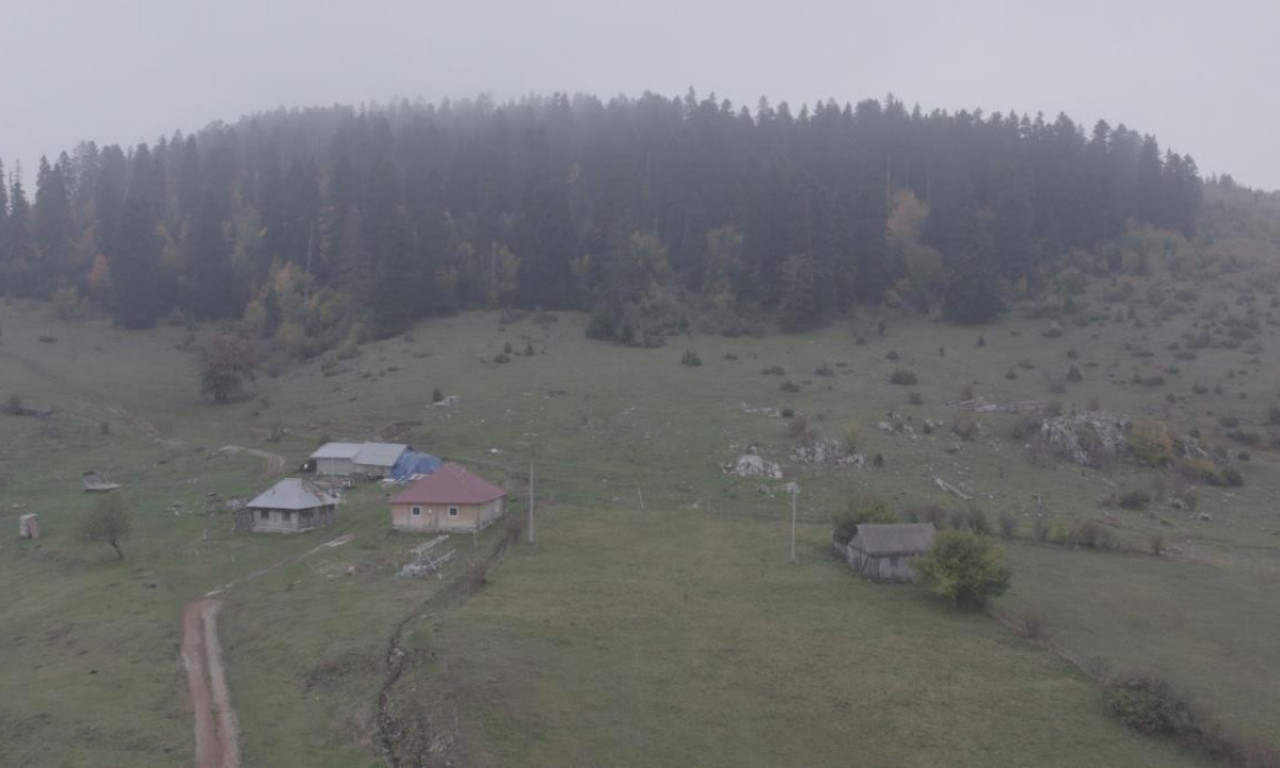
pixel 1199 75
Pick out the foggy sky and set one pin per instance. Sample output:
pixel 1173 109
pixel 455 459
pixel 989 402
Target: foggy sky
pixel 1200 75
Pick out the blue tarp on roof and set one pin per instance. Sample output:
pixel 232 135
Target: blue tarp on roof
pixel 411 463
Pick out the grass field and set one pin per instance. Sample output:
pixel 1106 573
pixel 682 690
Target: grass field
pixel 656 621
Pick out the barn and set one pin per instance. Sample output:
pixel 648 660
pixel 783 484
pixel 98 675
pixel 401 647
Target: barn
pixel 357 459
pixel 886 552
pixel 290 506
pixel 449 499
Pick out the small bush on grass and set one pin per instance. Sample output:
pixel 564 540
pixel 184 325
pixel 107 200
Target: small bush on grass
pixel 904 377
pixel 789 386
pixel 1134 499
pixel 1149 704
pixel 915 398
pixel 477 575
pixel 773 370
pixel 501 357
pixel 823 370
pixel 1155 543
pixel 1151 442
pixel 965 569
pixel 892 355
pixel 1033 626
pixel 1008 525
pixel 859 512
pixel 1090 535
pixel 690 358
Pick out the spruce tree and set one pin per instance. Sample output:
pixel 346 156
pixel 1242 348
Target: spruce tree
pixel 52 228
pixel 21 256
pixel 135 268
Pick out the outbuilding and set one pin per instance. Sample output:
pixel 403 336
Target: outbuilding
pixel 887 552
pixel 357 459
pixel 449 499
pixel 290 506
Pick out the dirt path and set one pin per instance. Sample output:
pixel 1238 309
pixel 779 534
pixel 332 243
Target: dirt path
pixel 217 735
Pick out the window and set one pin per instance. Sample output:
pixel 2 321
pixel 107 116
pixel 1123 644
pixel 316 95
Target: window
pixel 264 515
pixel 416 511
pixel 453 511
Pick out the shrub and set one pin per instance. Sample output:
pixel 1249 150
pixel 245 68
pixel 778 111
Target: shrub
pixel 1229 422
pixel 1008 525
pixel 1134 499
pixel 108 523
pixel 1040 531
pixel 690 358
pixel 904 377
pixel 1090 535
pixel 790 386
pixel 501 358
pixel 798 429
pixel 506 348
pixel 1273 415
pixel 436 395
pixel 850 439
pixel 892 355
pixel 1033 626
pixel 1155 543
pixel 964 428
pixel 858 512
pixel 1149 704
pixel 979 523
pixel 528 349
pixel 915 398
pixel 1011 375
pixel 773 370
pixel 823 370
pixel 965 569
pixel 1073 375
pixel 1151 442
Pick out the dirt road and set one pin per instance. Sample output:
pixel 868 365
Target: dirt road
pixel 217 735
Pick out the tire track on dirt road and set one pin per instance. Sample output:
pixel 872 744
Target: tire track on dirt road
pixel 217 733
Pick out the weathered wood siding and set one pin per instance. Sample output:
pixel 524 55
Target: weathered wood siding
pixel 435 518
pixel 338 467
pixel 289 520
pixel 882 567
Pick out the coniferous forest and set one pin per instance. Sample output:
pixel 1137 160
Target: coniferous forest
pixel 316 226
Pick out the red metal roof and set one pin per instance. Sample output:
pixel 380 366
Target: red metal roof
pixel 450 484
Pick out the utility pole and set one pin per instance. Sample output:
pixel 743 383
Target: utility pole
pixel 794 491
pixel 531 502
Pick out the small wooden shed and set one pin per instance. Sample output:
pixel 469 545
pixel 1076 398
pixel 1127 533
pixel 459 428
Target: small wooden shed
pixel 290 506
pixel 357 459
pixel 449 499
pixel 886 552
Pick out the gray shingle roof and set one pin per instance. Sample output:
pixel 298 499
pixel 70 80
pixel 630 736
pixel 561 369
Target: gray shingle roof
pixel 895 539
pixel 380 454
pixel 292 493
pixel 337 451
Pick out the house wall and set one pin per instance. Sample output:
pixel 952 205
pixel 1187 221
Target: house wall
pixel 339 467
pixel 882 567
pixel 435 518
pixel 370 470
pixel 290 521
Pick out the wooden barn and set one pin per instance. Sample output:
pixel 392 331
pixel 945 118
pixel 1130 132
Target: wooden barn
pixel 357 459
pixel 886 552
pixel 449 499
pixel 290 506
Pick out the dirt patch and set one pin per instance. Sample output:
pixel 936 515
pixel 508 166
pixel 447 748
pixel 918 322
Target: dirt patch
pixel 217 734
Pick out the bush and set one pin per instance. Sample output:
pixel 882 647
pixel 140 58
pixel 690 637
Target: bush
pixel 528 349
pixel 892 355
pixel 965 569
pixel 1008 525
pixel 1151 442
pixel 501 357
pixel 904 377
pixel 1273 415
pixel 1033 626
pixel 789 386
pixel 690 358
pixel 1090 535
pixel 915 398
pixel 1073 375
pixel 1149 704
pixel 773 370
pixel 436 395
pixel 859 512
pixel 1134 499
pixel 108 523
pixel 823 370
pixel 1155 543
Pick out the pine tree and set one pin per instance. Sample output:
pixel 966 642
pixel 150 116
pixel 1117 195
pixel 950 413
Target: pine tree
pixel 973 290
pixel 52 228
pixel 206 257
pixel 799 308
pixel 135 269
pixel 4 232
pixel 21 256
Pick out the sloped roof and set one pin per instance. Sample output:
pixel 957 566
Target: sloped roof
pixel 292 493
pixel 337 451
pixel 894 539
pixel 380 454
pixel 367 454
pixel 450 484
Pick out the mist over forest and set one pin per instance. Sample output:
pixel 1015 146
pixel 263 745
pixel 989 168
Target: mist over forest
pixel 317 225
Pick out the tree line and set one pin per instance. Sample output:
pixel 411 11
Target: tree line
pixel 307 224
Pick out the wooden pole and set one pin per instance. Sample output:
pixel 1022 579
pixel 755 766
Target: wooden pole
pixel 531 502
pixel 793 526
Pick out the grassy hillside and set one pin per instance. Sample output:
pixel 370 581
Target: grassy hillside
pixel 658 600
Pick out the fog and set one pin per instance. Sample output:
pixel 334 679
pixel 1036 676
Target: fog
pixel 1198 75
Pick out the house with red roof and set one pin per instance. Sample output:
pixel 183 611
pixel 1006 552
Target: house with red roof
pixel 449 499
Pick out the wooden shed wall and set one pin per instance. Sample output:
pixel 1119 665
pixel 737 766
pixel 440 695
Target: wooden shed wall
pixel 290 521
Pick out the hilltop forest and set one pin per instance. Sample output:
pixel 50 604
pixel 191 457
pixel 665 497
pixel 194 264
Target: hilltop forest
pixel 321 225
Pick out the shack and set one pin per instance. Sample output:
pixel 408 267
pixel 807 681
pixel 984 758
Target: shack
pixel 887 552
pixel 290 506
pixel 449 499
pixel 357 459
